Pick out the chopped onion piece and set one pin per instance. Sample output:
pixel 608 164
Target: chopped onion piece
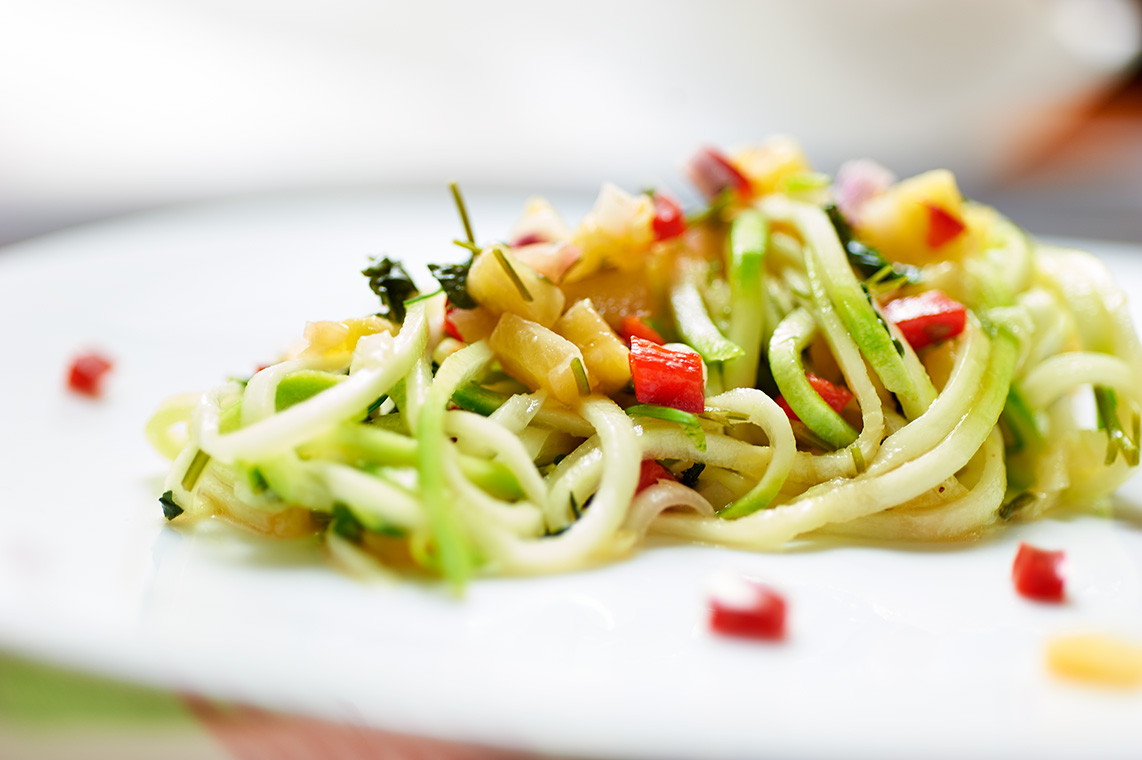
pixel 656 498
pixel 858 182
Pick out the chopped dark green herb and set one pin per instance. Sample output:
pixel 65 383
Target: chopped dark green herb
pixel 690 475
pixel 454 279
pixel 197 465
pixel 345 523
pixel 1017 503
pixel 170 509
pixel 389 280
pixel 866 260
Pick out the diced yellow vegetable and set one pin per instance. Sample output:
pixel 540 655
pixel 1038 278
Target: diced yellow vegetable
pixel 904 222
pixel 1096 659
pixel 542 221
pixel 332 343
pixel 615 294
pixel 473 324
pixel 604 352
pixel 981 222
pixel 491 283
pixel 616 232
pixel 538 357
pixel 769 165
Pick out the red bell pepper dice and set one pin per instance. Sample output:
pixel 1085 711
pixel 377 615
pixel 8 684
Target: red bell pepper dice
pixel 928 318
pixel 667 377
pixel 633 326
pixel 943 226
pixel 836 396
pixel 86 374
pixel 1036 574
pixel 711 172
pixel 650 473
pixel 669 221
pixel 755 612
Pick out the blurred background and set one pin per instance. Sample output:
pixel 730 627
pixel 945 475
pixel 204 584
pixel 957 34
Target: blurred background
pixel 113 106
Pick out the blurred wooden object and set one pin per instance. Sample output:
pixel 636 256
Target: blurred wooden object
pixel 1082 177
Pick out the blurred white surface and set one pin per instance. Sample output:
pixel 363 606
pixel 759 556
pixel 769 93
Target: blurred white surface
pixel 115 104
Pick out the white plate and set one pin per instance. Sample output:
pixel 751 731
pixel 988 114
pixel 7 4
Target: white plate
pixel 892 651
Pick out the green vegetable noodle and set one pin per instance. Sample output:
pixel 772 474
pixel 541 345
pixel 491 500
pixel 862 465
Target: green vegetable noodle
pixel 855 356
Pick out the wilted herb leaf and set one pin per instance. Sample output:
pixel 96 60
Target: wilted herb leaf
pixel 170 509
pixel 389 280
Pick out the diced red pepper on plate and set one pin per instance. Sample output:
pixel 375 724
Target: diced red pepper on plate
pixel 928 318
pixel 86 373
pixel 669 221
pixel 711 172
pixel 650 473
pixel 1036 574
pixel 943 226
pixel 667 377
pixel 633 326
pixel 752 611
pixel 836 396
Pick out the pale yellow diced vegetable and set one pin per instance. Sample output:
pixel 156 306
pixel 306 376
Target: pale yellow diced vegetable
pixel 538 357
pixel 332 343
pixel 604 352
pixel 615 294
pixel 473 324
pixel 541 221
pixel 982 224
pixel 899 222
pixel 1096 659
pixel 769 165
pixel 616 232
pixel 491 284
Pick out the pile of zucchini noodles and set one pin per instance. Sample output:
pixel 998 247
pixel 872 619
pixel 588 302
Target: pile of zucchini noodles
pixel 408 449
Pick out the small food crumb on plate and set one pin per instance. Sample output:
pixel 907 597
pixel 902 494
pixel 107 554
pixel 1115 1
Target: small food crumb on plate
pixel 1095 659
pixel 85 376
pixel 744 608
pixel 1036 574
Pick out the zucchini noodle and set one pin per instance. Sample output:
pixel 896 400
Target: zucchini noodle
pixel 906 366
